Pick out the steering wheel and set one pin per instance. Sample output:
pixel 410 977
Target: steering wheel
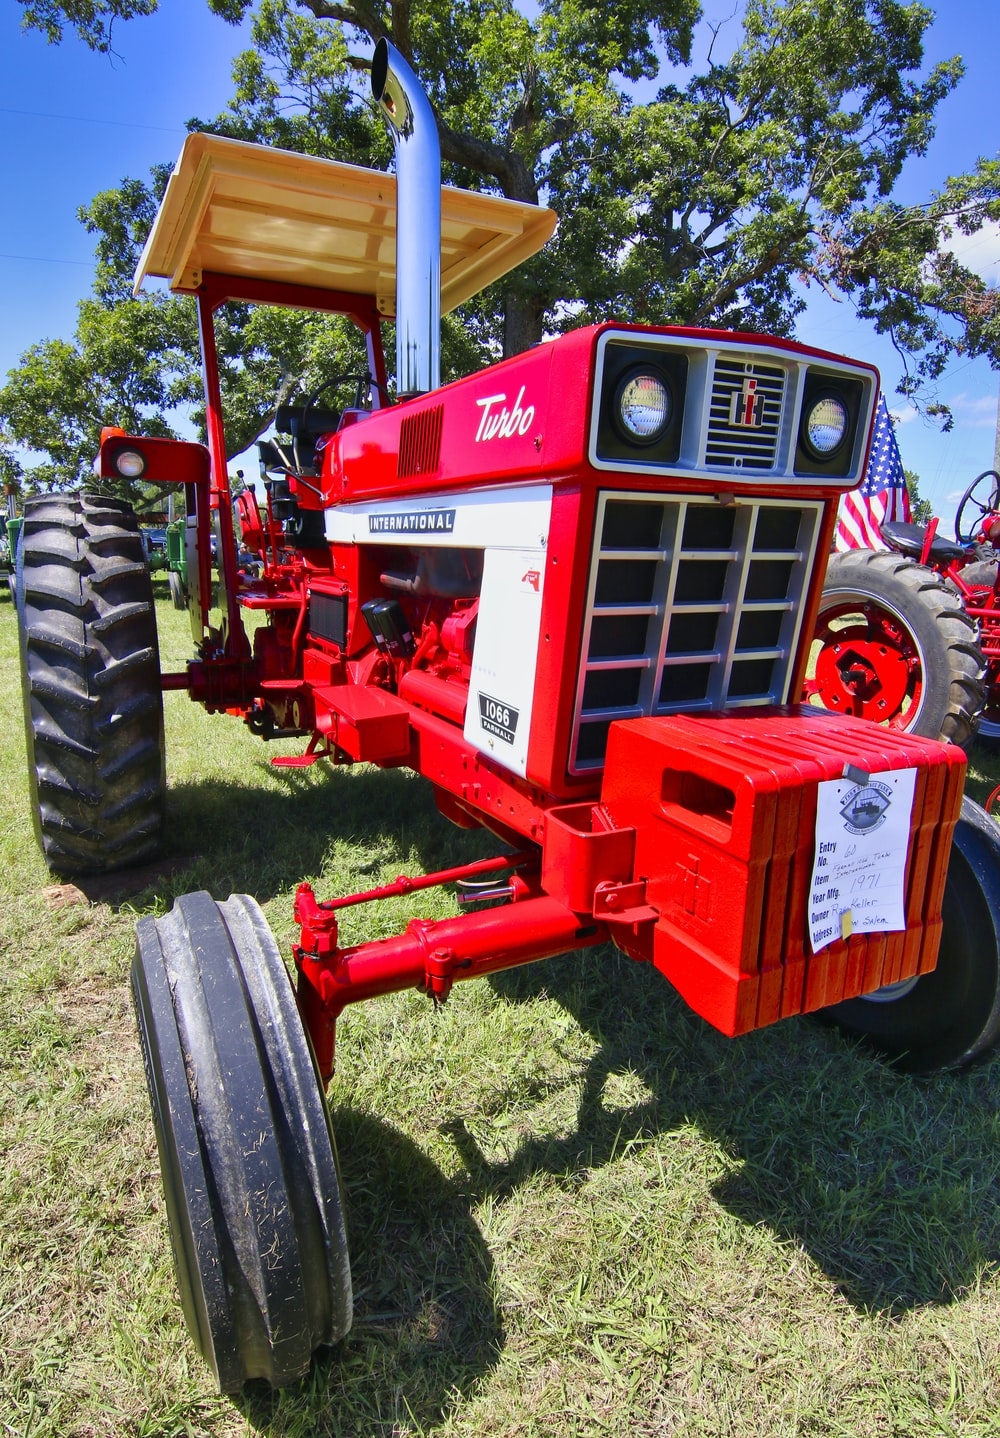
pixel 299 428
pixel 986 502
pixel 362 383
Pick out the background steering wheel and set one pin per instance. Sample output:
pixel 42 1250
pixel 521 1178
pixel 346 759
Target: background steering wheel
pixel 979 505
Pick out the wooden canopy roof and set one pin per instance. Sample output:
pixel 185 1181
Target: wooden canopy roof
pixel 260 213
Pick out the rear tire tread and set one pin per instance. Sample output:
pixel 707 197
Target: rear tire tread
pixel 953 692
pixel 91 681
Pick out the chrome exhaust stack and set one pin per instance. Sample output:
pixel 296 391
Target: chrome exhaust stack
pixel 398 94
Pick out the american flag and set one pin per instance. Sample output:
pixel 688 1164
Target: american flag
pixel 881 495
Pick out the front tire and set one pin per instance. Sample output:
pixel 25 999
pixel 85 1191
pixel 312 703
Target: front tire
pixel 90 677
pixel 246 1150
pixel 949 1017
pixel 893 644
pixel 178 597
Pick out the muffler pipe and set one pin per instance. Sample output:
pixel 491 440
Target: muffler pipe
pixel 398 94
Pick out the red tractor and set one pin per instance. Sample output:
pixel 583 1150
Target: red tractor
pixel 910 636
pixel 576 592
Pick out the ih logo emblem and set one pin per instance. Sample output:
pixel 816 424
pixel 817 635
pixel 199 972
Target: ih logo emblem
pixel 746 406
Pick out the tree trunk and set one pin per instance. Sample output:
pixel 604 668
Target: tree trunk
pixel 522 323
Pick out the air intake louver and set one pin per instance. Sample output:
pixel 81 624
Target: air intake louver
pixel 420 443
pixel 692 605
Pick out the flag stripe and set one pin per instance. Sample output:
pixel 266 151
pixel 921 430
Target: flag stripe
pixel 881 495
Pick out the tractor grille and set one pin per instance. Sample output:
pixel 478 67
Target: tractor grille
pixel 692 605
pixel 328 617
pixel 744 424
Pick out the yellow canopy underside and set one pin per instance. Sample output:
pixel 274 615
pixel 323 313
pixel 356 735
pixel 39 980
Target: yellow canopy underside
pixel 260 213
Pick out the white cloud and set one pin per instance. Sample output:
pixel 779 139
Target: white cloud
pixel 979 252
pixel 975 411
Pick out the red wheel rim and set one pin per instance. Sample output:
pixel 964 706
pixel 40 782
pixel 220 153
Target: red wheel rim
pixel 868 664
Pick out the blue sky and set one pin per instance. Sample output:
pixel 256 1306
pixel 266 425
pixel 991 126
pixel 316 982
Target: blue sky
pixel 73 123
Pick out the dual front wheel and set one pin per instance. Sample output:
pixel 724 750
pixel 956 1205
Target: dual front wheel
pixel 246 1150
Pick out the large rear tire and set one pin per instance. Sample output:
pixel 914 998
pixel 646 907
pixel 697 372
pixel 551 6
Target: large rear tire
pixel 893 644
pixel 246 1150
pixel 951 1016
pixel 90 676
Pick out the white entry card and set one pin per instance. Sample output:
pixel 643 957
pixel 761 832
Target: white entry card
pixel 862 839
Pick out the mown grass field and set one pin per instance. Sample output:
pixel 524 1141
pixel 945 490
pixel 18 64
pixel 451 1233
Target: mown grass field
pixel 574 1208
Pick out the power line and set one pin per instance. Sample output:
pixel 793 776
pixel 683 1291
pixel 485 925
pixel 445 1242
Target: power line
pixel 47 260
pixel 93 120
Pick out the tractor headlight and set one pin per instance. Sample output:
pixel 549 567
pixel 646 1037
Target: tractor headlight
pixel 130 463
pixel 825 425
pixel 643 406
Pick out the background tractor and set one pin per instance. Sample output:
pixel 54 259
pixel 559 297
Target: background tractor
pixel 576 592
pixel 910 637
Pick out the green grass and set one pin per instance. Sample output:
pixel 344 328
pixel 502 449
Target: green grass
pixel 575 1209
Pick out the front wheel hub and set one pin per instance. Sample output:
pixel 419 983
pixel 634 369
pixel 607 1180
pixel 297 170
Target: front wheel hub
pixel 867 678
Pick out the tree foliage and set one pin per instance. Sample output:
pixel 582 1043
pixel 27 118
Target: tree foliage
pixel 92 20
pixel 921 510
pixel 711 189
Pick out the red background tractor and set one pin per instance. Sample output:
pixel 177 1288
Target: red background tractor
pixel 910 637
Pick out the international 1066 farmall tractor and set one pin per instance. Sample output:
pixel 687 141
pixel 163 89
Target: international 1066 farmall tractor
pixel 576 592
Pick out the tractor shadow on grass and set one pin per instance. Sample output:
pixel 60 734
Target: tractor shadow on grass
pixel 890 1184
pixel 426 1325
pixel 263 839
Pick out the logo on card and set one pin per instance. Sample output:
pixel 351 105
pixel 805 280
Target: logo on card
pixel 497 718
pixel 866 806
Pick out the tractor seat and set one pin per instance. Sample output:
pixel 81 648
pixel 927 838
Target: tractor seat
pixel 272 456
pixel 301 456
pixel 908 539
pixel 289 419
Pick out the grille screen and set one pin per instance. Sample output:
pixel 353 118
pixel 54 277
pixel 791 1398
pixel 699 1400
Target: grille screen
pixel 328 617
pixel 745 417
pixel 692 605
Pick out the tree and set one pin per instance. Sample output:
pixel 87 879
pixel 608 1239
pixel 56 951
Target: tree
pixel 93 20
pixel 921 510
pixel 718 201
pixel 11 471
